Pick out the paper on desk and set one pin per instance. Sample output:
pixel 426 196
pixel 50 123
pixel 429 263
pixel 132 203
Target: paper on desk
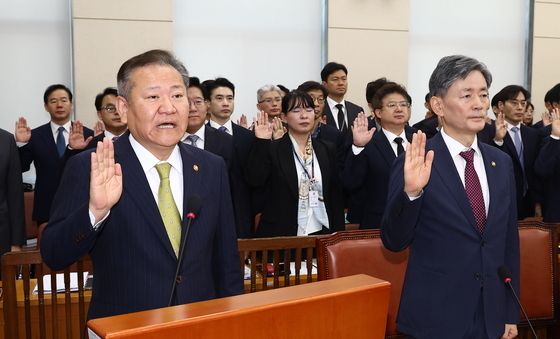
pixel 60 282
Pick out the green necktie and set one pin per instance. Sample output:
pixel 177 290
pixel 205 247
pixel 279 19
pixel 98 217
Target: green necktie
pixel 168 208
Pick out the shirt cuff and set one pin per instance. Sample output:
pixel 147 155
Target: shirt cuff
pixel 357 150
pixel 554 137
pixel 92 220
pixel 499 143
pixel 20 144
pixel 411 198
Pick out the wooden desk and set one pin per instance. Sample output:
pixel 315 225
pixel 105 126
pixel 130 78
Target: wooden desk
pixel 48 312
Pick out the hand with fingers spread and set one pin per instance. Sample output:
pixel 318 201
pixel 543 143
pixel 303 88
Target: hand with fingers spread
pixel 501 127
pixel 242 121
pixel 76 137
pixel 22 132
pixel 106 180
pixel 360 133
pixel 98 128
pixel 417 165
pixel 555 122
pixel 278 129
pixel 263 129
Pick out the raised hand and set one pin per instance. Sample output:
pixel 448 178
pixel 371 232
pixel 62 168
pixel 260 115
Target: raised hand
pixel 263 129
pixel 106 180
pixel 546 118
pixel 417 165
pixel 501 128
pixel 360 133
pixel 278 129
pixel 98 128
pixel 76 137
pixel 555 122
pixel 242 121
pixel 22 132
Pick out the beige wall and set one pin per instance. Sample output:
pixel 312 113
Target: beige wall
pixel 546 51
pixel 371 39
pixel 103 40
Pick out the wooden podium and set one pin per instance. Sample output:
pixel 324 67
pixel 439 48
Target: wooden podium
pixel 350 307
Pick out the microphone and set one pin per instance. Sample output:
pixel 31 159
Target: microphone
pixel 505 275
pixel 193 207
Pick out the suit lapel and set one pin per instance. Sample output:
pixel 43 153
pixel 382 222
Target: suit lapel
pixel 47 139
pixel 287 163
pixel 445 168
pixel 493 178
pixel 209 141
pixel 192 169
pixel 325 166
pixel 383 145
pixel 138 190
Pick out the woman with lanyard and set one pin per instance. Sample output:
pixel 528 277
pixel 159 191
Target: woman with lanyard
pixel 304 195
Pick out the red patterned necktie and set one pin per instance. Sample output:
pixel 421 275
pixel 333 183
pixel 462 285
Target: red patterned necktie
pixel 474 191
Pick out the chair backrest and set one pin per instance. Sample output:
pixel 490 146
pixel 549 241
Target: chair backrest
pixel 352 252
pixel 65 318
pixel 538 247
pixel 280 260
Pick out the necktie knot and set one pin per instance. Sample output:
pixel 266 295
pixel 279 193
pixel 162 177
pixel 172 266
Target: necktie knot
pixel 398 140
pixel 192 139
pixel 60 130
pixel 163 170
pixel 339 106
pixel 400 148
pixel 515 129
pixel 223 129
pixel 468 155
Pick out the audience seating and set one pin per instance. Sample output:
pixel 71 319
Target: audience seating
pixel 42 318
pixel 352 252
pixel 277 257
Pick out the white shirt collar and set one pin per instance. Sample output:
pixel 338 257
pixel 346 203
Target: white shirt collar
pixel 54 127
pixel 510 126
pixel 148 160
pixel 455 147
pixel 227 125
pixel 332 105
pixel 199 133
pixel 391 136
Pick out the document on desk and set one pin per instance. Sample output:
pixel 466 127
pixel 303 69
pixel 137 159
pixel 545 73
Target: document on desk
pixel 60 287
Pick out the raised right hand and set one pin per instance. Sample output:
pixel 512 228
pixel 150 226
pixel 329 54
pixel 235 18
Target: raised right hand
pixel 76 136
pixel 555 122
pixel 360 133
pixel 22 132
pixel 106 180
pixel 501 128
pixel 263 128
pixel 242 121
pixel 417 165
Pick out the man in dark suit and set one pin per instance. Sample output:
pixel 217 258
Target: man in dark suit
pixel 455 206
pixel 522 144
pixel 369 163
pixel 45 147
pixel 430 124
pixel 340 113
pixel 12 218
pixel 547 166
pixel 129 214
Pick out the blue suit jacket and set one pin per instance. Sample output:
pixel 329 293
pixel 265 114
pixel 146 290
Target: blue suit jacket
pixel 131 252
pixel 450 262
pixel 41 150
pixel 547 166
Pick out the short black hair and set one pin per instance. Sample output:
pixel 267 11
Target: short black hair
pixel 99 97
pixel 296 99
pixel 195 82
pixel 211 85
pixel 553 95
pixel 53 88
pixel 330 68
pixel 283 88
pixel 313 86
pixel 387 89
pixel 510 93
pixel 374 86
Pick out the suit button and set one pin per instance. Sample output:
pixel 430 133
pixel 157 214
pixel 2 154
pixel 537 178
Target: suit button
pixel 477 276
pixel 179 279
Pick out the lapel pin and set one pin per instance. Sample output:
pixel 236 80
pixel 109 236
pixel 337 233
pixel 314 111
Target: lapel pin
pixel 493 164
pixel 195 167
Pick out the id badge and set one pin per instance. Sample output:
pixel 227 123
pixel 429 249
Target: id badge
pixel 313 199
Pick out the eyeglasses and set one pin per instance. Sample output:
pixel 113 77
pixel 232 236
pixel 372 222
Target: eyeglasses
pixel 393 105
pixel 319 100
pixel 197 102
pixel 516 103
pixel 109 108
pixel 271 100
pixel 301 109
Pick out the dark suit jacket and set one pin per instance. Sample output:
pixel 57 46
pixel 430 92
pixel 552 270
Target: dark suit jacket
pixel 272 164
pixel 547 166
pixel 92 144
pixel 367 175
pixel 451 264
pixel 219 143
pixel 352 111
pixel 132 255
pixel 428 126
pixel 41 150
pixel 531 146
pixel 12 216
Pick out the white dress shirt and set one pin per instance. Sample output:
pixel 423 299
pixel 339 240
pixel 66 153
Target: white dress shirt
pixel 334 110
pixel 54 128
pixel 228 125
pixel 199 134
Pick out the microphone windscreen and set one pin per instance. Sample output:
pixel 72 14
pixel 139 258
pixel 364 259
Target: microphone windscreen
pixel 193 205
pixel 504 273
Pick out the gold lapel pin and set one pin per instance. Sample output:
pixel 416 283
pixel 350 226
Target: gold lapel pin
pixel 195 168
pixel 493 164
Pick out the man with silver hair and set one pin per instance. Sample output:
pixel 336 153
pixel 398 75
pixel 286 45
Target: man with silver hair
pixel 127 203
pixel 452 201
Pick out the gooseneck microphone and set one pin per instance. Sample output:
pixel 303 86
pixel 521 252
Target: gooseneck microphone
pixel 193 207
pixel 505 274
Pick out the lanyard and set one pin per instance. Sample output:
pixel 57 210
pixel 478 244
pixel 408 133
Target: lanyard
pixel 312 176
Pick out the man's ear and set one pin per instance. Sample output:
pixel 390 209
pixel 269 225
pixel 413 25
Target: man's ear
pixel 122 108
pixel 377 113
pixel 437 105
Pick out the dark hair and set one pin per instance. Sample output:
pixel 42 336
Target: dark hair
pixel 313 86
pixel 452 68
pixel 509 93
pixel 99 97
pixel 53 88
pixel 330 68
pixel 374 86
pixel 296 99
pixel 530 104
pixel 195 82
pixel 211 85
pixel 495 100
pixel 284 89
pixel 553 95
pixel 427 97
pixel 153 57
pixel 387 89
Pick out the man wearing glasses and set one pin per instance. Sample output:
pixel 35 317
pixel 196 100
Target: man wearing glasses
pixel 368 165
